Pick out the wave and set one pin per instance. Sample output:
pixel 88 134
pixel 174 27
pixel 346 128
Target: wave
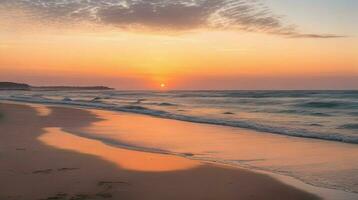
pixel 269 94
pixel 167 104
pixel 96 99
pixel 320 114
pixel 156 104
pixel 329 104
pixel 320 104
pixel 228 113
pixel 204 120
pixel 67 99
pixel 297 112
pixel 349 126
pixel 315 124
pixel 353 114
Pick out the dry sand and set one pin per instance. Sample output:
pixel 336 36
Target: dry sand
pixel 38 160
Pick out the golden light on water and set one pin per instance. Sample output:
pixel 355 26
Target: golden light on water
pixel 122 158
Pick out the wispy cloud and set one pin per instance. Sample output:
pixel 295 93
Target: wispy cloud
pixel 319 36
pixel 164 15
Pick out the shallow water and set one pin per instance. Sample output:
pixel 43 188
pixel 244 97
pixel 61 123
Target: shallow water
pixel 321 163
pixel 125 159
pixel 123 130
pixel 328 115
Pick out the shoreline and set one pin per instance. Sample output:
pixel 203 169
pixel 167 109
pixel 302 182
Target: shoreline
pixel 149 112
pixel 281 178
pixel 325 191
pixel 65 173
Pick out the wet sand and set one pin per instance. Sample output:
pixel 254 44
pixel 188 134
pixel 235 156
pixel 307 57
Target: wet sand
pixel 39 160
pixel 325 164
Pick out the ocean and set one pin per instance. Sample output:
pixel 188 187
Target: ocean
pixel 326 115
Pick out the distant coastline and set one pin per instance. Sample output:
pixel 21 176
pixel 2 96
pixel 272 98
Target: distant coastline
pixel 23 86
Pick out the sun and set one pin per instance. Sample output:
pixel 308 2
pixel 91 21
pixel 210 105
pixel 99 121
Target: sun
pixel 162 85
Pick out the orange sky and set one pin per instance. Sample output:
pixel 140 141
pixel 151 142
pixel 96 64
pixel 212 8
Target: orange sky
pixel 193 59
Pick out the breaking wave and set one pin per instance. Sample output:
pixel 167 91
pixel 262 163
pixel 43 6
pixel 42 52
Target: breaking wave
pixel 205 120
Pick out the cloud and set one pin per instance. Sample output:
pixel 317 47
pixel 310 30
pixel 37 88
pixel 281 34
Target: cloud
pixel 163 15
pixel 319 36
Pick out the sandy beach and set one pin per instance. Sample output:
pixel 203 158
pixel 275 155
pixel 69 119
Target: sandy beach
pixel 41 161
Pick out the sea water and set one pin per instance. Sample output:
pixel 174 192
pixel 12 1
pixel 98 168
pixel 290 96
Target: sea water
pixel 326 115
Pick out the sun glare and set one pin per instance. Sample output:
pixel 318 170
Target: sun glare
pixel 162 85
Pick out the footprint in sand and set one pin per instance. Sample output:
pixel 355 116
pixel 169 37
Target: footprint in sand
pixel 48 171
pixel 79 196
pixel 104 195
pixel 44 171
pixel 67 169
pixel 107 186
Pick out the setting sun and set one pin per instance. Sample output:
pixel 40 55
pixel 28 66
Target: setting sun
pixel 162 85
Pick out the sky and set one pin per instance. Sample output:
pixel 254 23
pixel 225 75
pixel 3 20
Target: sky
pixel 184 44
